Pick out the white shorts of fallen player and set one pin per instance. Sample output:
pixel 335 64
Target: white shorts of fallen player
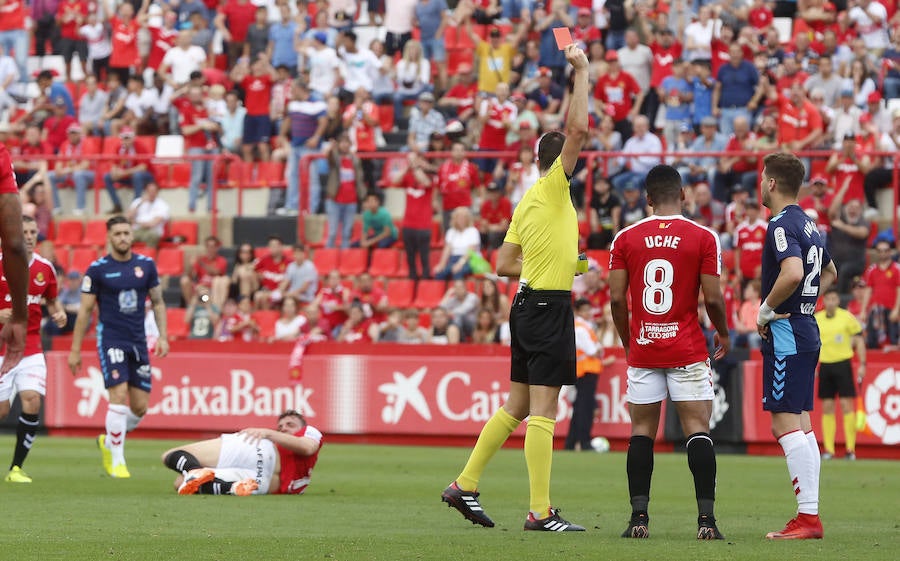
pixel 29 374
pixel 241 460
pixel 693 382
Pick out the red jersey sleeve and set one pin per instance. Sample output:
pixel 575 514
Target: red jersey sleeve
pixel 712 253
pixel 7 173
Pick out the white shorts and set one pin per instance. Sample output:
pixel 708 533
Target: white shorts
pixel 29 374
pixel 241 460
pixel 686 383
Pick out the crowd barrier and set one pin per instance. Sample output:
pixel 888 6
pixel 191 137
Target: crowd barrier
pixel 414 394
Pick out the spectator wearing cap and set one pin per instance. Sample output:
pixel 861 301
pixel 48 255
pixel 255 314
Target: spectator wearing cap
pixel 432 17
pixel 494 216
pixel 554 15
pixel 496 115
pixel 413 76
pixel 736 172
pixel 585 32
pixel 149 214
pixel 702 169
pixel 324 65
pixel 677 95
pixel 128 171
pixel 525 127
pixel 360 66
pixel 91 107
pixel 548 97
pixel 53 90
pixel 424 120
pixel 69 169
pixel 845 119
pixel 647 145
pixel 871 21
pixel 495 56
pixel 878 111
pixel 620 93
pixel 826 79
pixel 461 95
pixel 848 236
pixel 457 177
pixel 56 126
pixel 302 130
pixel 735 92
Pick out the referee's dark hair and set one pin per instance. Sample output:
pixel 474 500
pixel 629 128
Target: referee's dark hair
pixel 831 289
pixel 579 303
pixel 117 219
pixel 663 185
pixel 787 170
pixel 549 148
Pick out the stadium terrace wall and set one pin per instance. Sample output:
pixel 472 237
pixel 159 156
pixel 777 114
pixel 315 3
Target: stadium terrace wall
pixel 414 394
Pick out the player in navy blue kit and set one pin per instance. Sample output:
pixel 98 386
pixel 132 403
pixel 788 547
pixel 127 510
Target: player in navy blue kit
pixel 119 284
pixel 796 268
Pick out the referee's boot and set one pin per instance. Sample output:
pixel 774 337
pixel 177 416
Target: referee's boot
pixel 553 523
pixel 466 502
pixel 706 528
pixel 638 526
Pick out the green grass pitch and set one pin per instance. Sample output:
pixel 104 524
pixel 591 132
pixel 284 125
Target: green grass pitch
pixel 382 503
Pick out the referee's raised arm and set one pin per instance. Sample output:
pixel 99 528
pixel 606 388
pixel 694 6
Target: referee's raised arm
pixel 577 120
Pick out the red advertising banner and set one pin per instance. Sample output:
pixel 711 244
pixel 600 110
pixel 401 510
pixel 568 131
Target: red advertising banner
pixel 414 390
pixel 881 397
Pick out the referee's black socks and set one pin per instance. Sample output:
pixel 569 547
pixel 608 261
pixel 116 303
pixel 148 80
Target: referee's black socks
pixel 702 461
pixel 640 469
pixel 182 461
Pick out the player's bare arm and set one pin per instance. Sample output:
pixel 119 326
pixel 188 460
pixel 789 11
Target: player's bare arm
pixel 715 309
pixel 57 312
pixel 298 444
pixel 789 278
pixel 15 268
pixel 88 301
pixel 827 277
pixel 159 314
pixel 577 130
pixel 509 262
pixel 618 305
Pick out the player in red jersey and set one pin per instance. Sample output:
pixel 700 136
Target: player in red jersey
pixel 254 461
pixel 12 244
pixel 29 377
pixel 663 262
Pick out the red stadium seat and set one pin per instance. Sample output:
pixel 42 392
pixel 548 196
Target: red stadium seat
pixel 728 260
pixel 429 294
pixel 175 323
pixel 95 234
pixel 400 292
pixel 353 261
pixel 184 228
pixel 145 250
pixel 60 257
pixel 270 174
pixel 434 257
pixel 386 116
pixel 82 257
pixel 402 265
pixel 326 260
pixel 265 320
pixel 111 145
pixel 601 256
pixel 437 237
pixel 384 262
pixel 69 232
pixel 92 145
pixel 170 261
pixel 148 142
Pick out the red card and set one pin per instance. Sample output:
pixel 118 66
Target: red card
pixel 563 37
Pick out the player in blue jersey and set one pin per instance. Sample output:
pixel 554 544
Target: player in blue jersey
pixel 119 284
pixel 796 267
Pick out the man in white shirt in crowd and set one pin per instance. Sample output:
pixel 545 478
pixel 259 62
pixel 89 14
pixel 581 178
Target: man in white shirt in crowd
pixel 91 107
pixel 148 215
pixel 360 67
pixel 324 65
pixel 643 142
pixel 181 60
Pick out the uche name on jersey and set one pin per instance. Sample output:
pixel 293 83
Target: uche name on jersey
pixel 662 241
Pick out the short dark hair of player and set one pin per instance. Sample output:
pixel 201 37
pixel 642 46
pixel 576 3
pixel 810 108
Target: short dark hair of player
pixel 273 237
pixel 116 220
pixel 787 170
pixel 293 413
pixel 663 185
pixel 580 303
pixel 549 148
pixel 26 218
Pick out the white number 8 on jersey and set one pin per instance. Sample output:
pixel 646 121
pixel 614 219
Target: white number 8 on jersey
pixel 658 278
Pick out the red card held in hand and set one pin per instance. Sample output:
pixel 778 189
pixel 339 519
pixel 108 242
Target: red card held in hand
pixel 563 37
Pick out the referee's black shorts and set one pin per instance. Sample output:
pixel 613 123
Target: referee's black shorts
pixel 542 326
pixel 836 378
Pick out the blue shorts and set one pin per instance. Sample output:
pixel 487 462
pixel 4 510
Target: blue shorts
pixel 789 382
pixel 257 129
pixel 434 49
pixel 125 362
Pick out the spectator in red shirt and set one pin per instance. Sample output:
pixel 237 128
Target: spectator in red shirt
pixel 125 59
pixel 493 221
pixel 819 200
pixel 14 36
pixel 462 94
pixel 736 172
pixel 210 270
pixel 161 40
pixel 371 297
pixel 28 170
pixel 457 178
pixel 619 91
pixel 356 327
pixel 198 131
pixel 257 80
pixel 882 298
pixel 800 124
pixel 56 125
pixel 666 50
pixel 361 118
pixel 496 115
pixel 233 21
pixel 847 164
pixel 417 218
pixel 270 272
pixel 760 16
pixel 584 31
pixel 793 74
pixel 750 235
pixel 71 169
pixel 333 301
pixel 70 16
pixel 129 172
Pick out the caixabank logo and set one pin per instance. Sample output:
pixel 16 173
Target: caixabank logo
pixel 882 401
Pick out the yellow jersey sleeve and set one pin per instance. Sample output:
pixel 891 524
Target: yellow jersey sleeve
pixel 851 324
pixel 512 233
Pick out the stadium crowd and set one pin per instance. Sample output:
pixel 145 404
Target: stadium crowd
pixel 272 81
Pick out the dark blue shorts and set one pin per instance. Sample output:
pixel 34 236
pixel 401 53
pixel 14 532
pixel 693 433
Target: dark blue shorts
pixel 257 128
pixel 125 362
pixel 789 382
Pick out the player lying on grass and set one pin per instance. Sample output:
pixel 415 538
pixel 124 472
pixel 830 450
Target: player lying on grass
pixel 254 461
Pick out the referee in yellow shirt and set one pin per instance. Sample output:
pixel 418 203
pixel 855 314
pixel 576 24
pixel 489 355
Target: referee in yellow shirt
pixel 541 249
pixel 840 333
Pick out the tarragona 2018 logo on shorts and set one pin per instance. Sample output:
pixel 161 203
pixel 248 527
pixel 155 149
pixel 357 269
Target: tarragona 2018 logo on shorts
pixel 882 402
